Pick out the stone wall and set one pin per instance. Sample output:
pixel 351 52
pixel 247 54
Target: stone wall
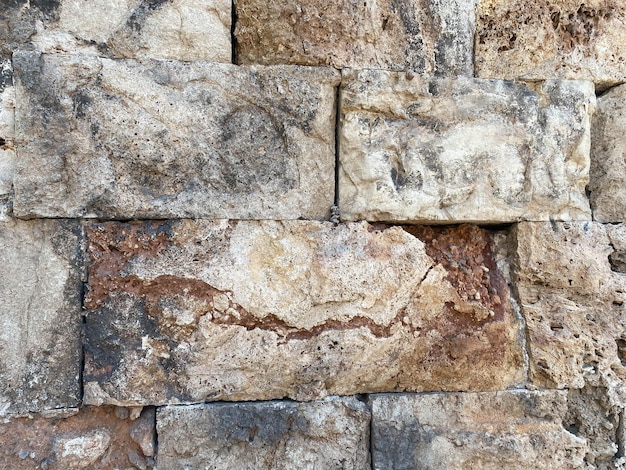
pixel 323 235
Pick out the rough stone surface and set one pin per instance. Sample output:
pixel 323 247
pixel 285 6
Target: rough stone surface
pixel 540 39
pixel 442 150
pixel 190 311
pixel 329 434
pixel 426 36
pixel 40 315
pixel 608 156
pixel 155 139
pixel 7 126
pixel 176 29
pixel 90 438
pixel 516 430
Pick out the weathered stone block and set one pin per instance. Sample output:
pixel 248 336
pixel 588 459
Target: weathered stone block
pixel 608 158
pixel 71 439
pixel 155 139
pixel 329 434
pixel 541 39
pixel 7 126
pixel 433 36
pixel 448 150
pixel 175 29
pixel 518 430
pixel 40 315
pixel 193 311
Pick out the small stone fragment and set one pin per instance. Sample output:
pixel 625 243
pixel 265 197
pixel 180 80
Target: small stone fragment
pixel 142 432
pixel 82 451
pixel 329 434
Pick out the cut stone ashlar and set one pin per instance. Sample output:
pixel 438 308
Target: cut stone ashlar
pixel 157 139
pixel 417 149
pixel 193 311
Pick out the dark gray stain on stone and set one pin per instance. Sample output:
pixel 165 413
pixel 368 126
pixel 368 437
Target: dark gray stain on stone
pixel 395 445
pixel 136 20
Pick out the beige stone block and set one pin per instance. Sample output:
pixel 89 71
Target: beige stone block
pixel 328 434
pixel 194 311
pixel 156 139
pixel 540 39
pixel 7 127
pixel 420 149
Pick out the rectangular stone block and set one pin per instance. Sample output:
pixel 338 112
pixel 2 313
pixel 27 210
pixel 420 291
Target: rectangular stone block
pixel 154 139
pixel 176 29
pixel 431 36
pixel 329 434
pixel 463 150
pixel 608 158
pixel 92 437
pixel 195 311
pixel 41 268
pixel 7 126
pixel 513 429
pixel 542 39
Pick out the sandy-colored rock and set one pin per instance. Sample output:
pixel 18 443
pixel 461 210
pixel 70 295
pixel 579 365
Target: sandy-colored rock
pixel 281 435
pixel 542 39
pixel 40 315
pixel 514 430
pixel 449 150
pixel 156 139
pixel 175 29
pixel 7 126
pixel 608 157
pixel 192 311
pixel 431 36
pixel 88 438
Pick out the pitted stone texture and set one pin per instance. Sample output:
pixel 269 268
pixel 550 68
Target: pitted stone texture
pixel 176 29
pixel 540 39
pixel 192 311
pixel 426 36
pixel 40 315
pixel 155 139
pixel 516 430
pixel 449 150
pixel 92 437
pixel 7 126
pixel 608 157
pixel 329 434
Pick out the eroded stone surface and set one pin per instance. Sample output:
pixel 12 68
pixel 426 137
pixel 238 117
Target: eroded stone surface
pixel 155 139
pixel 40 315
pixel 92 437
pixel 608 157
pixel 188 311
pixel 431 36
pixel 329 434
pixel 175 29
pixel 7 126
pixel 540 39
pixel 518 430
pixel 442 150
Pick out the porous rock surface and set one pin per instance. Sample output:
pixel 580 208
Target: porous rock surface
pixel 329 434
pixel 157 139
pixel 518 430
pixel 426 36
pixel 541 39
pixel 41 273
pixel 191 311
pixel 423 149
pixel 7 126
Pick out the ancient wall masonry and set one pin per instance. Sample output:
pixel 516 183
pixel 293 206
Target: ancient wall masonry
pixel 323 235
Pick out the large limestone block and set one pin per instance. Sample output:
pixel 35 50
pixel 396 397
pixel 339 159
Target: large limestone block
pixel 541 39
pixel 92 437
pixel 608 157
pixel 154 139
pixel 514 430
pixel 432 36
pixel 7 126
pixel 194 311
pixel 329 434
pixel 449 150
pixel 175 29
pixel 40 315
